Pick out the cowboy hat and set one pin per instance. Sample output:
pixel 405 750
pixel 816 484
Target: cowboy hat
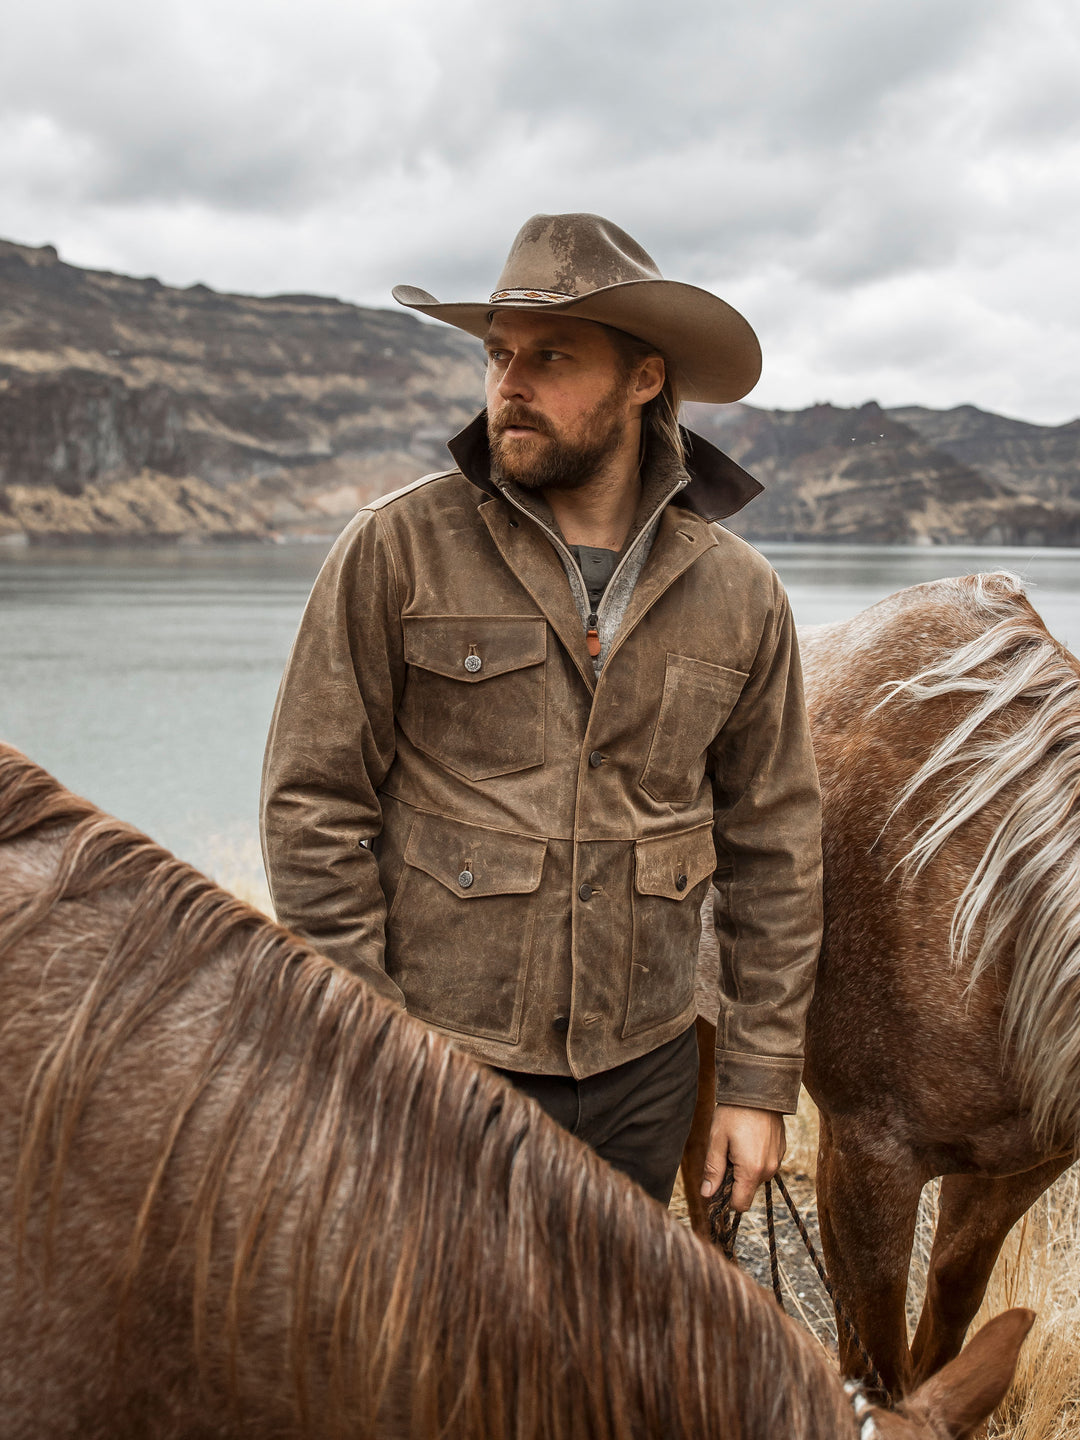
pixel 583 265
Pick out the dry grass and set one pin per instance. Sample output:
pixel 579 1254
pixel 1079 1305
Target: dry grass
pixel 800 1158
pixel 1040 1267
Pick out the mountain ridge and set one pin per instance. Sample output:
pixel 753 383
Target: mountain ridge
pixel 135 410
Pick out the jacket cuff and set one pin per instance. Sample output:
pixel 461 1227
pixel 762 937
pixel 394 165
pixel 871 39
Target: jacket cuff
pixel 761 1082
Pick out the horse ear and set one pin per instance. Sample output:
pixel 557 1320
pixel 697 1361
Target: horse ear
pixel 969 1388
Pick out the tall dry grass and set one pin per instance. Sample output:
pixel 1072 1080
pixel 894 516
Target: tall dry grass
pixel 1040 1266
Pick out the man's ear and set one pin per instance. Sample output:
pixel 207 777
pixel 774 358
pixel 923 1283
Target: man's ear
pixel 649 379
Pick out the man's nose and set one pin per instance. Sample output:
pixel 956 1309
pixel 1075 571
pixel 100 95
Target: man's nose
pixel 514 383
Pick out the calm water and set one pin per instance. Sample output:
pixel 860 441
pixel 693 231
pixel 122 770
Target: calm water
pixel 145 679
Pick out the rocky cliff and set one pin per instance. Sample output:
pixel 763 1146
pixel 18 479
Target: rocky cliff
pixel 904 476
pixel 129 409
pixel 1041 460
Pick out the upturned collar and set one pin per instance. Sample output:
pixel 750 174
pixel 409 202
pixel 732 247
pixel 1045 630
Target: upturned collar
pixel 718 486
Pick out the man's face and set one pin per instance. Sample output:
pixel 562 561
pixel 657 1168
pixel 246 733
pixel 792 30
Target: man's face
pixel 558 400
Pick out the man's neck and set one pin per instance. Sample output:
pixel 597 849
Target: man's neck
pixel 601 512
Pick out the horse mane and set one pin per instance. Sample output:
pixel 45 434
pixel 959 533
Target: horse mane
pixel 1018 744
pixel 513 1283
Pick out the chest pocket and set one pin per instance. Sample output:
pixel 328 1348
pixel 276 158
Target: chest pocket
pixel 474 691
pixel 698 697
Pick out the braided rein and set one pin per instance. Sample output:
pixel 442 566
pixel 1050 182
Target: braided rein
pixel 724 1230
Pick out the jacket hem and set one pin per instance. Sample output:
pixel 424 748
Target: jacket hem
pixel 508 1056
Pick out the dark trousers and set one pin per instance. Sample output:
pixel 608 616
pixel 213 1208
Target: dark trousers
pixel 636 1117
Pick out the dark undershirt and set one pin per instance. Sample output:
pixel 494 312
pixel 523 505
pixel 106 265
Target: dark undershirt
pixel 597 567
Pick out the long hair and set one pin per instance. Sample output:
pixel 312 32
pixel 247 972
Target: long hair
pixel 1015 750
pixel 660 416
pixel 439 1258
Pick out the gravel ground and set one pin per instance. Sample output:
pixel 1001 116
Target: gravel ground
pixel 804 1296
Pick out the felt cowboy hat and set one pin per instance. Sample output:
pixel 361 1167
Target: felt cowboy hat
pixel 583 265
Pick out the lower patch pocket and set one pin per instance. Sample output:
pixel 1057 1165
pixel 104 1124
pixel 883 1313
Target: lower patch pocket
pixel 671 876
pixel 460 928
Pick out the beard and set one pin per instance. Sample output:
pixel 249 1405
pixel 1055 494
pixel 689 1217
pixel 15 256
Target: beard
pixel 549 461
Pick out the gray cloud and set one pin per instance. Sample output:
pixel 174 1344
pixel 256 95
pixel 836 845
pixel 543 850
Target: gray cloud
pixel 888 191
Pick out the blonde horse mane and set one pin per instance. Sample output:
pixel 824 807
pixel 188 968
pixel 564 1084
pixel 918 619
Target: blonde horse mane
pixel 508 1279
pixel 1018 743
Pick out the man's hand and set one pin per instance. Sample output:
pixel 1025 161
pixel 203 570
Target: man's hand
pixel 754 1141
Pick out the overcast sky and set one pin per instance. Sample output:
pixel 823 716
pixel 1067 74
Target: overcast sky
pixel 888 189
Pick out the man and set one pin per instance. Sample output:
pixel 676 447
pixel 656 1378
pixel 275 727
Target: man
pixel 539 702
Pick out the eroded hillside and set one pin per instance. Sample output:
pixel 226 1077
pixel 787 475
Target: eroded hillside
pixel 130 409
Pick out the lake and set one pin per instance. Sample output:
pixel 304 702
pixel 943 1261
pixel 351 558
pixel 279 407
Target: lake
pixel 144 679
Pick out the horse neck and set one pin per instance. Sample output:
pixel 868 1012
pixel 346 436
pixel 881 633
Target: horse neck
pixel 364 1223
pixel 443 1245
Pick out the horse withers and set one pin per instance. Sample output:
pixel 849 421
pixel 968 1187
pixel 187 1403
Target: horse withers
pixel 944 1034
pixel 242 1195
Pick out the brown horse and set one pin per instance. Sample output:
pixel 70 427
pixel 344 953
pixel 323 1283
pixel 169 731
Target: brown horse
pixel 944 1035
pixel 242 1196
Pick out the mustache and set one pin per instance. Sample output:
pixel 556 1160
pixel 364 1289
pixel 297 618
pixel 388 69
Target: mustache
pixel 510 415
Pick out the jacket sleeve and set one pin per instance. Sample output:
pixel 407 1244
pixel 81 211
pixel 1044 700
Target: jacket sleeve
pixel 330 746
pixel 767 903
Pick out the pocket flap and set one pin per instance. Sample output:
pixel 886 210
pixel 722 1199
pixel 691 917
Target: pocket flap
pixel 497 862
pixel 449 644
pixel 672 865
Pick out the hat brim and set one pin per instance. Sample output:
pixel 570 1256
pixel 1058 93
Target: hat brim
pixel 711 348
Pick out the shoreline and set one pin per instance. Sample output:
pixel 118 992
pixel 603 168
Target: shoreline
pixel 23 544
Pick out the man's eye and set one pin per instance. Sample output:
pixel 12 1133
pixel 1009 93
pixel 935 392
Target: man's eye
pixel 496 355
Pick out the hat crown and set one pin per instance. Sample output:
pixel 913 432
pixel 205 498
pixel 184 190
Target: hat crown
pixel 573 255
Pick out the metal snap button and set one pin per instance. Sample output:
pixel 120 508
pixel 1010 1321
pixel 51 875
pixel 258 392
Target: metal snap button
pixel 585 892
pixel 473 663
pixel 561 1023
pixel 465 879
pixel 596 759
pixel 680 883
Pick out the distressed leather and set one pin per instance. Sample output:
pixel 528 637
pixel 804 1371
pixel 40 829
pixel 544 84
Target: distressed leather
pixel 540 909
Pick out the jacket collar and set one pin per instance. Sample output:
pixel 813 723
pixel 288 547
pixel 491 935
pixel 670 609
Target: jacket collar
pixel 718 486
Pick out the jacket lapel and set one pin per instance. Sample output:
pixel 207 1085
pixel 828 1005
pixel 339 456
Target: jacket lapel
pixel 532 558
pixel 681 539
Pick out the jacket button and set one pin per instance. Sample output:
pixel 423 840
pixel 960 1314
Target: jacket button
pixel 680 883
pixel 561 1023
pixel 465 879
pixel 584 892
pixel 473 663
pixel 596 759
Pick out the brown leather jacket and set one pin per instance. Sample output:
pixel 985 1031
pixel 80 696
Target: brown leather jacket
pixel 458 807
